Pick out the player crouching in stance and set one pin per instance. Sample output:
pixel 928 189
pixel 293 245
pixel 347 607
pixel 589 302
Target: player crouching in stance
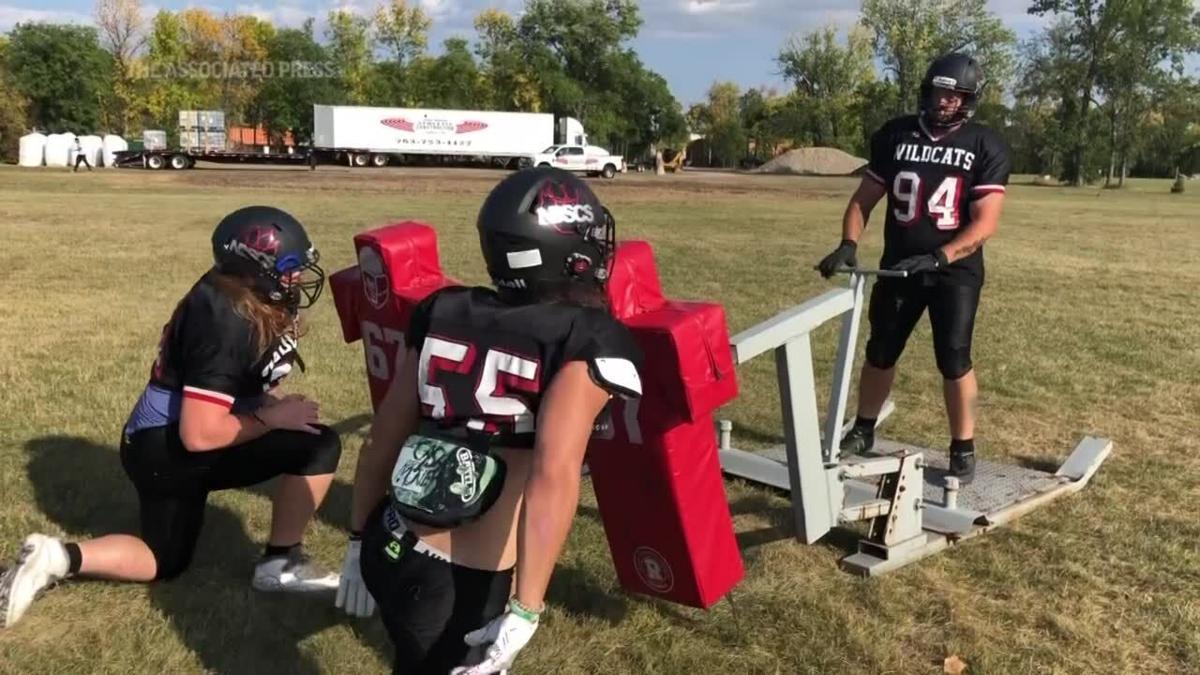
pixel 944 178
pixel 207 421
pixel 472 469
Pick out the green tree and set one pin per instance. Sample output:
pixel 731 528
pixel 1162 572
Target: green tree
pixel 908 34
pixel 569 47
pixel 829 80
pixel 403 29
pixel 13 112
pixel 168 84
pixel 1171 133
pixel 123 33
pixel 1076 47
pixel 285 102
pixel 720 121
pixel 350 48
pixel 651 115
pixel 1149 33
pixel 63 72
pixel 245 48
pixel 451 80
pixel 509 82
pixel 1107 54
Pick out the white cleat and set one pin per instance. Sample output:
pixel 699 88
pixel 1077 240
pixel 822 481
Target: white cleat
pixel 42 561
pixel 293 573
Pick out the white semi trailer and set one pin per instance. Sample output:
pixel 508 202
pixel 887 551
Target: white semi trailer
pixel 368 136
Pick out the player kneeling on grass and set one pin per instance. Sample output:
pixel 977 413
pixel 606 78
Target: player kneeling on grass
pixel 472 469
pixel 207 421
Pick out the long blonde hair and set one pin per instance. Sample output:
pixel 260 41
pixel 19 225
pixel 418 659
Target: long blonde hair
pixel 270 322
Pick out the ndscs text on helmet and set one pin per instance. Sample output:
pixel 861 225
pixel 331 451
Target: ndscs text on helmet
pixel 565 214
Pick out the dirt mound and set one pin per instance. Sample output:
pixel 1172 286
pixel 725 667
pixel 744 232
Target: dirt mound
pixel 815 162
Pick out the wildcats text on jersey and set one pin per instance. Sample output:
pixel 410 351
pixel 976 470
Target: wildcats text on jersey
pixel 934 154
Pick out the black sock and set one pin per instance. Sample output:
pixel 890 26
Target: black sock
pixel 75 556
pixel 963 445
pixel 279 550
pixel 865 423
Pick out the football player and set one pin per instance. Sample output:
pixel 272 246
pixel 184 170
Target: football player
pixel 471 473
pixel 944 177
pixel 208 419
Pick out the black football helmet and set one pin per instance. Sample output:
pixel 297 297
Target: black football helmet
pixel 956 72
pixel 271 248
pixel 541 228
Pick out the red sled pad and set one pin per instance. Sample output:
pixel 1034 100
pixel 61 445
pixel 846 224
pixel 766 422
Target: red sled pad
pixel 655 469
pixel 397 268
pixel 410 253
pixel 688 367
pixel 665 514
pixel 634 287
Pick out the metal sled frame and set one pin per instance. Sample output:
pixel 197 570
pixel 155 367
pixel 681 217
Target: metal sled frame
pixel 914 510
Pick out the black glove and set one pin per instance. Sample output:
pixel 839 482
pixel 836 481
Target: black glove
pixel 842 256
pixel 926 262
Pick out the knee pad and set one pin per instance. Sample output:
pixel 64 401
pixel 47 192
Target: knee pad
pixel 325 453
pixel 954 363
pixel 881 355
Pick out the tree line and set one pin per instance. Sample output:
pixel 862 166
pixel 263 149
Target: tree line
pixel 1100 92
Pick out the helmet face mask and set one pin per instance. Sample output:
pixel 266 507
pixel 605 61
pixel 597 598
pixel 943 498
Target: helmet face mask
pixel 300 281
pixel 953 72
pixel 269 248
pixel 541 231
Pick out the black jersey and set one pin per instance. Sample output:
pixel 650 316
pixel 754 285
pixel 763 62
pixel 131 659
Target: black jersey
pixel 486 364
pixel 931 181
pixel 208 352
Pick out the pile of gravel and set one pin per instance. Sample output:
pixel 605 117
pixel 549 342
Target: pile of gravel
pixel 814 162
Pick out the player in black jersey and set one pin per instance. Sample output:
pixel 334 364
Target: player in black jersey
pixel 944 177
pixel 208 420
pixel 472 470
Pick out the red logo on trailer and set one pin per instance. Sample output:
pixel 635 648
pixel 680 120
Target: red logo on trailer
pixel 469 126
pixel 397 123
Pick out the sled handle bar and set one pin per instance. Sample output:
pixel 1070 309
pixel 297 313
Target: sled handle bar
pixel 869 272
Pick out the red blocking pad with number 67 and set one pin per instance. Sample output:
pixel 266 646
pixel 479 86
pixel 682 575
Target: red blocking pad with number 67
pixel 397 268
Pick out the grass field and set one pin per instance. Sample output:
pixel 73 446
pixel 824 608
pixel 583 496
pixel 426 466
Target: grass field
pixel 1089 325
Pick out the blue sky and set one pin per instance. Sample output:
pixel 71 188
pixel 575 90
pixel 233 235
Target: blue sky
pixel 690 42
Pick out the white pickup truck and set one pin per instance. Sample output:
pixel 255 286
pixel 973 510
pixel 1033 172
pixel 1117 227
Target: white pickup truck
pixel 592 159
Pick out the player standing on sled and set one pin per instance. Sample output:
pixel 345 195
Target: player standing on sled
pixel 471 474
pixel 207 420
pixel 944 177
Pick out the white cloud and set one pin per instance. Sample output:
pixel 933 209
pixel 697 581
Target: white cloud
pixel 283 16
pixel 11 16
pixel 359 7
pixel 716 6
pixel 440 9
pixel 673 34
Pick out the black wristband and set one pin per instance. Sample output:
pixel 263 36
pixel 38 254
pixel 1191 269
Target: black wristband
pixel 940 255
pixel 849 242
pixel 355 535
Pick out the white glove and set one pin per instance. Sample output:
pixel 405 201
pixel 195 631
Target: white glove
pixel 352 591
pixel 507 634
